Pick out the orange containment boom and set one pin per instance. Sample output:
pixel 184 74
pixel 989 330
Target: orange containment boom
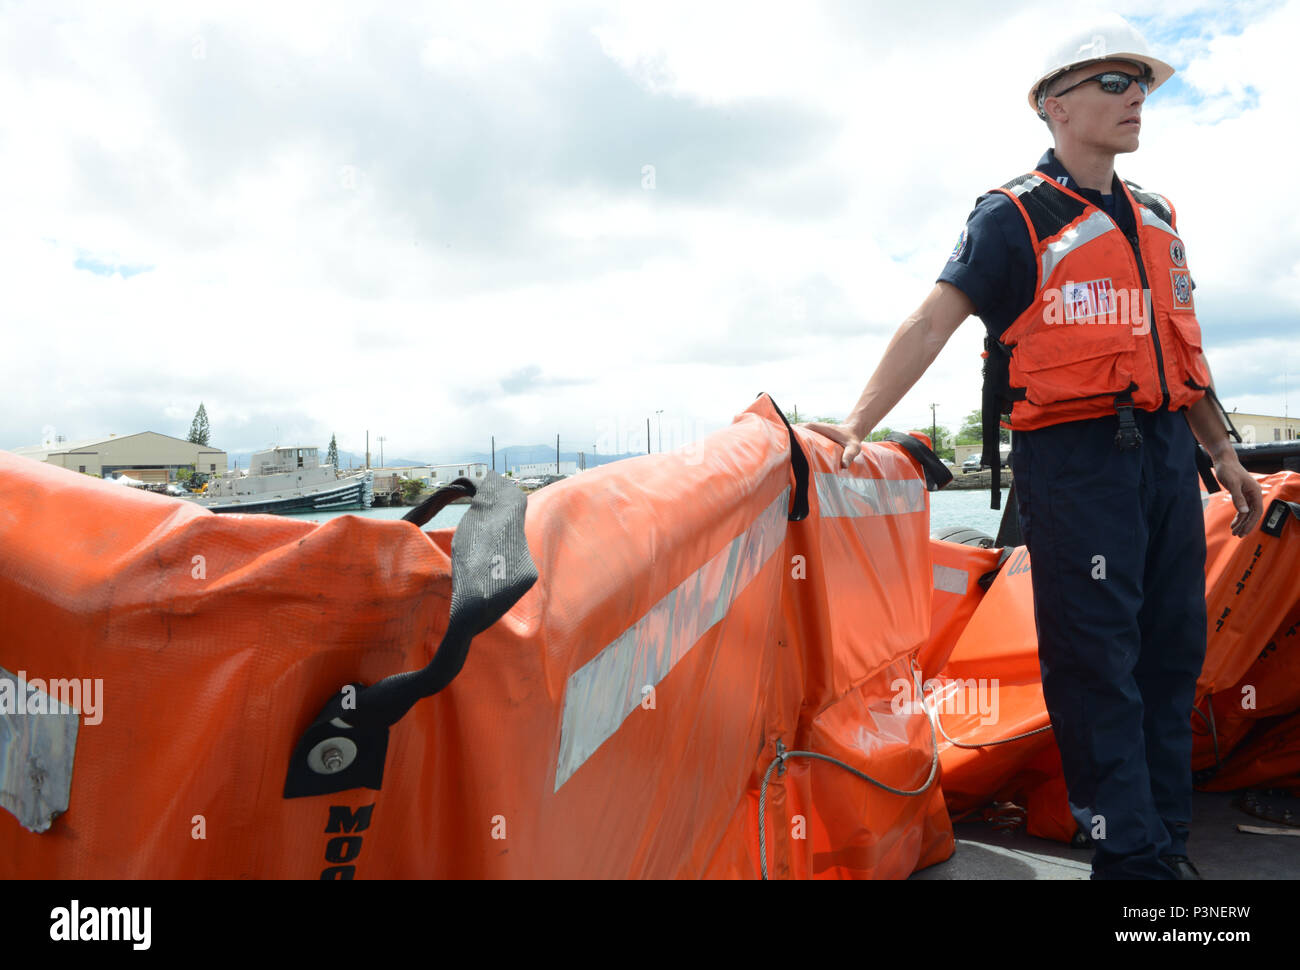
pixel 1247 694
pixel 598 689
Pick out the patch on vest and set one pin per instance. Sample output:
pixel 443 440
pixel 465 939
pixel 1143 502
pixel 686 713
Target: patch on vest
pixel 1182 282
pixel 1083 301
pixel 1176 253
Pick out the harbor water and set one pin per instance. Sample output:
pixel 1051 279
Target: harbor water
pixel 446 518
pixel 948 510
pixel 951 509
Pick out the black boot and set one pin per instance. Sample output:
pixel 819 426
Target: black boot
pixel 1181 865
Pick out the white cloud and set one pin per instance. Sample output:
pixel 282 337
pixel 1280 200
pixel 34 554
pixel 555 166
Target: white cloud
pixel 362 220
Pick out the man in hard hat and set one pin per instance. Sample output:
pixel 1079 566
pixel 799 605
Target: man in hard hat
pixel 1094 350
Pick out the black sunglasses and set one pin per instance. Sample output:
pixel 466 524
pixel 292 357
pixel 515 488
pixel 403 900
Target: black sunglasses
pixel 1113 82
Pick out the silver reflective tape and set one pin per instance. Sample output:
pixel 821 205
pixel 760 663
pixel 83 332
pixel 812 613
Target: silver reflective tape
pixel 1149 218
pixel 949 579
pixel 1097 224
pixel 602 693
pixel 843 497
pixel 38 740
pixel 1026 186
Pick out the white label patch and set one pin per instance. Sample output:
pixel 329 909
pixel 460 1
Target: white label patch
pixel 1084 300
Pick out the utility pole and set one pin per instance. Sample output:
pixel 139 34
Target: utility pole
pixel 381 451
pixel 659 418
pixel 557 454
pixel 494 452
pixel 367 449
pixel 647 436
pixel 934 432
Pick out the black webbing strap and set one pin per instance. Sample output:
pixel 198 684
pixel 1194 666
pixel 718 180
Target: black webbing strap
pixel 1128 437
pixel 491 568
pixel 799 466
pixel 431 506
pixel 986 580
pixel 1009 533
pixel 936 472
pixel 994 394
pixel 1204 466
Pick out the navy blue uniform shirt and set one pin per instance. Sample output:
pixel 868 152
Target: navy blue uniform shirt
pixel 993 261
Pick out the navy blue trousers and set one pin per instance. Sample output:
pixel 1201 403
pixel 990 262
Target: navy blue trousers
pixel 1117 556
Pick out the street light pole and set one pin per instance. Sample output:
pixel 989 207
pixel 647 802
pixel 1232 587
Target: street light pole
pixel 659 418
pixel 934 432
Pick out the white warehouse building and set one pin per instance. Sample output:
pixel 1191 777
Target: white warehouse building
pixel 475 471
pixel 544 468
pixel 146 456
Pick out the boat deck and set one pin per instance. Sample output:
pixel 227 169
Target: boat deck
pixel 1216 848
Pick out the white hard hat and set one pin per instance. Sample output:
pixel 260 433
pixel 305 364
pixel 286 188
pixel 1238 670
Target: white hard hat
pixel 1107 38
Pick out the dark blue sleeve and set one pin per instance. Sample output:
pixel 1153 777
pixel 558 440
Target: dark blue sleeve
pixel 993 262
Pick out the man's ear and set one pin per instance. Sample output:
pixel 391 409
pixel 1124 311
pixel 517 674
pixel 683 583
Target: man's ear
pixel 1056 111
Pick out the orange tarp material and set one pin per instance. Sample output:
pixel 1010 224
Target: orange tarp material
pixel 1252 668
pixel 856 618
pixel 1269 758
pixel 1252 585
pixel 995 661
pixel 1269 687
pixel 616 722
pixel 955 592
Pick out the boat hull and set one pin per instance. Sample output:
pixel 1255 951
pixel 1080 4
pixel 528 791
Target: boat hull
pixel 357 493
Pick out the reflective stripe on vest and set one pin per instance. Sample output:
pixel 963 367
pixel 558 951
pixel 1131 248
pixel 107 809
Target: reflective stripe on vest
pixel 1095 225
pixel 1149 218
pixel 601 694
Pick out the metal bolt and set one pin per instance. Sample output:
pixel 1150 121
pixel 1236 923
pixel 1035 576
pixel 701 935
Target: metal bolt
pixel 332 755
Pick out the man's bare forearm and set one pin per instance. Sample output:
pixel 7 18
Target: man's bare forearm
pixel 911 351
pixel 1207 424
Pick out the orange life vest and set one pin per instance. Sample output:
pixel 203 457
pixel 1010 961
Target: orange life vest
pixel 1113 320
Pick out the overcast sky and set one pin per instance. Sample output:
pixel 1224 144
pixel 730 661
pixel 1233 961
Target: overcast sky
pixel 441 221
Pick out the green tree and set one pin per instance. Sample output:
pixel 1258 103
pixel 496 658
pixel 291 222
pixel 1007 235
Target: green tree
pixel 199 430
pixel 972 431
pixel 332 455
pixel 794 417
pixel 411 489
pixel 943 443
